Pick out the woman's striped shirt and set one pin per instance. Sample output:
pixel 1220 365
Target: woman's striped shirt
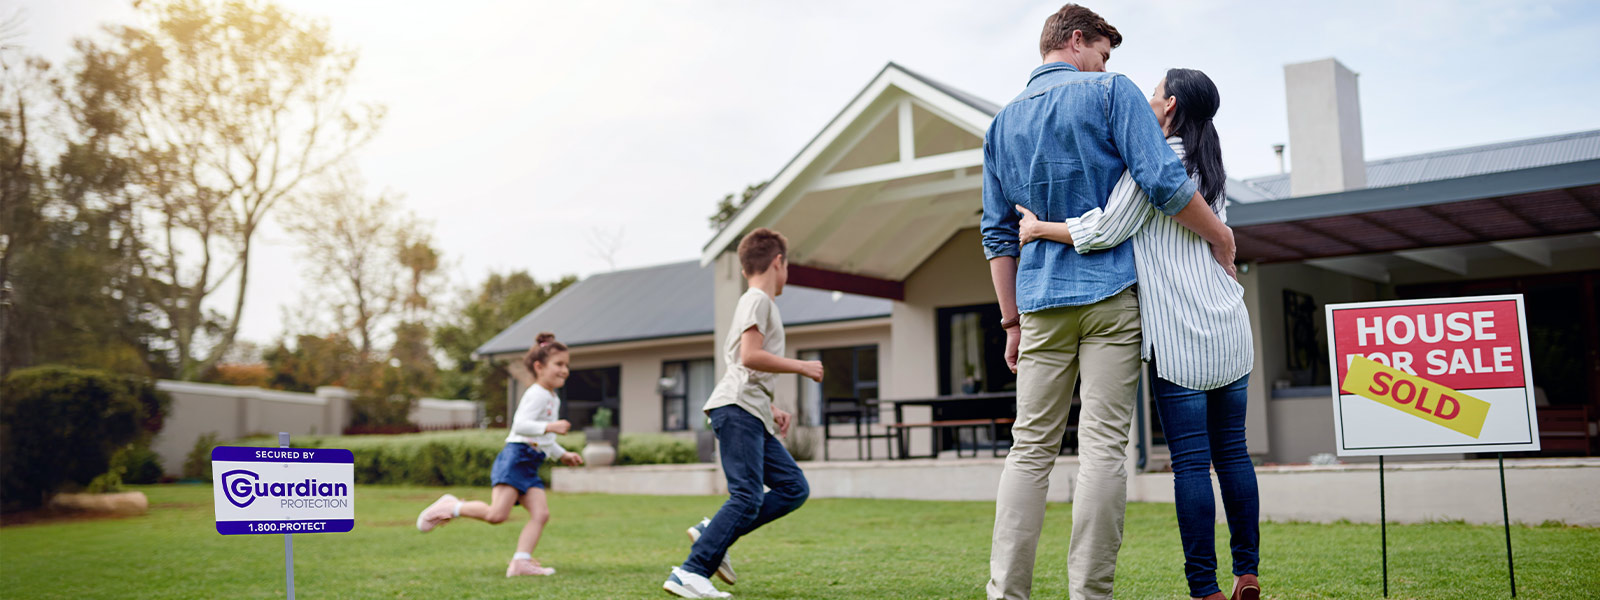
pixel 1195 324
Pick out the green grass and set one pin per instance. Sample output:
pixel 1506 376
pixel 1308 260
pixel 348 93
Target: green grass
pixel 622 547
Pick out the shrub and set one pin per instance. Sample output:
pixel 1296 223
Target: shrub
pixel 441 458
pixel 197 465
pixel 655 449
pixel 140 465
pixel 59 427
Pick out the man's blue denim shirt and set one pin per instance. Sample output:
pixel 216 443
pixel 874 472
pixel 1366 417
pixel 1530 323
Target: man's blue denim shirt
pixel 1058 149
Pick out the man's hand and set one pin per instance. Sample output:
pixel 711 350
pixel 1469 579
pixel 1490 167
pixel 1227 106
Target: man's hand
pixel 1013 342
pixel 812 369
pixel 558 427
pixel 1224 253
pixel 571 459
pixel 782 419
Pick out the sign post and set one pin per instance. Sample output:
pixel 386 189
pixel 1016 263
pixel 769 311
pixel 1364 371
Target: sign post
pixel 1441 375
pixel 283 490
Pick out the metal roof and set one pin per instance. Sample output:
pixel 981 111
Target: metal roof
pixel 1445 164
pixel 664 301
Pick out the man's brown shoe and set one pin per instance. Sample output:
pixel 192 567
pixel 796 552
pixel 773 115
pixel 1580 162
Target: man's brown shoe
pixel 1246 587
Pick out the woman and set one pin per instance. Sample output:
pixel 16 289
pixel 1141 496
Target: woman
pixel 1196 333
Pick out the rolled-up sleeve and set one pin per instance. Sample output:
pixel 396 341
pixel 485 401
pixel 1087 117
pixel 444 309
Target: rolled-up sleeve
pixel 1137 136
pixel 999 224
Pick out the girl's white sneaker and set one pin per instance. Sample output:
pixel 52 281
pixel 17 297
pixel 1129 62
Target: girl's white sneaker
pixel 438 513
pixel 523 566
pixel 684 584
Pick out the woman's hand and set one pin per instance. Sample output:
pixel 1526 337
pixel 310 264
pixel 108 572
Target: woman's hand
pixel 558 427
pixel 572 459
pixel 1028 228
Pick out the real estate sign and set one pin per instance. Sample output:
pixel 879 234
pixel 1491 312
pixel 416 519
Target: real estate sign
pixel 1443 375
pixel 283 490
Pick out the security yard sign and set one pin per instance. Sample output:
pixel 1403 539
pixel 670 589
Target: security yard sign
pixel 1443 375
pixel 283 490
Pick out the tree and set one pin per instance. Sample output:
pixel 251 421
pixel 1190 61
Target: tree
pixel 349 241
pixel 229 109
pixel 71 290
pixel 498 302
pixel 727 208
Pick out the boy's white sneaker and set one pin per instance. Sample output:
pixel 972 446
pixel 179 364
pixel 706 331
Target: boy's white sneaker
pixel 438 513
pixel 724 570
pixel 684 584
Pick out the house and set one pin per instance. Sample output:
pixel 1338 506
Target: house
pixel 890 289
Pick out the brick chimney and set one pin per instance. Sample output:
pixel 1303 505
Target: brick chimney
pixel 1324 128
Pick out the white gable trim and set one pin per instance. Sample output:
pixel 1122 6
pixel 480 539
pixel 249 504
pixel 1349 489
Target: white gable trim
pixel 779 196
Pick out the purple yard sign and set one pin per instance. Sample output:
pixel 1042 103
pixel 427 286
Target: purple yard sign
pixel 283 490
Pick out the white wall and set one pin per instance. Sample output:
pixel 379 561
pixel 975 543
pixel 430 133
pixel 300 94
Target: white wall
pixel 233 412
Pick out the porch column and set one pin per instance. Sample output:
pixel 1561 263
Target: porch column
pixel 726 287
pixel 1260 389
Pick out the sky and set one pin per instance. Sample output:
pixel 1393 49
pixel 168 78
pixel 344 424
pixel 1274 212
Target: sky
pixel 522 130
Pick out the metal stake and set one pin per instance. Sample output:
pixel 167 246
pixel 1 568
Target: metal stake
pixel 288 539
pixel 1383 527
pixel 1505 512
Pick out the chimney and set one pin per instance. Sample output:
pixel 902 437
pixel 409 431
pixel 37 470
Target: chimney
pixel 1324 128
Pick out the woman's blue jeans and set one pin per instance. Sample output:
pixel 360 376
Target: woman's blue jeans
pixel 1206 429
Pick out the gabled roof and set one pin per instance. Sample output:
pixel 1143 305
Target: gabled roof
pixel 974 113
pixel 1445 164
pixel 663 301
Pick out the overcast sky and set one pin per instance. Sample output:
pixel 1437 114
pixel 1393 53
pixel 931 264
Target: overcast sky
pixel 520 128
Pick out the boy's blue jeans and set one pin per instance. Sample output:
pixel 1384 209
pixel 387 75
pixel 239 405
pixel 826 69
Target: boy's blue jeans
pixel 1205 429
pixel 751 459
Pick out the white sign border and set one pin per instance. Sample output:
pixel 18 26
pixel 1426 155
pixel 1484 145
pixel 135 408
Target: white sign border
pixel 1527 373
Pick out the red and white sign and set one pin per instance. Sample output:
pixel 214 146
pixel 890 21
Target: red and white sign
pixel 1443 375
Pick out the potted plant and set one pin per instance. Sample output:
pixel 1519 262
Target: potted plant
pixel 600 440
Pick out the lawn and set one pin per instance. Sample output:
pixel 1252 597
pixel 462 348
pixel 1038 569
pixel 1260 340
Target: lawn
pixel 623 546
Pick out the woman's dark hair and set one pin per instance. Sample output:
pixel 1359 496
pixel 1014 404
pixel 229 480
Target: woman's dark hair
pixel 1191 120
pixel 543 346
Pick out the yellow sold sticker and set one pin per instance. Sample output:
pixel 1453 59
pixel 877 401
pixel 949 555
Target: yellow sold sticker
pixel 1415 396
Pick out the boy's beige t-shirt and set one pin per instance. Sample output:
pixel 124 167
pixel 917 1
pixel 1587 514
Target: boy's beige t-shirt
pixel 742 387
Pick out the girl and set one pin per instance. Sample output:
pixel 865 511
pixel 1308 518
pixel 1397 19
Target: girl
pixel 515 474
pixel 1196 333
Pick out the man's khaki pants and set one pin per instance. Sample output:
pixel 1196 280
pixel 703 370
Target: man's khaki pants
pixel 1102 341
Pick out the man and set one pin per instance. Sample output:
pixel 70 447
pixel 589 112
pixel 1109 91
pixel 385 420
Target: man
pixel 1058 149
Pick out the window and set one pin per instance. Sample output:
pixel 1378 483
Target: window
pixel 849 374
pixel 685 386
pixel 588 390
pixel 972 351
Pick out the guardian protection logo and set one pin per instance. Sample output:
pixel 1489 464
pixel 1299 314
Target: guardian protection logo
pixel 242 487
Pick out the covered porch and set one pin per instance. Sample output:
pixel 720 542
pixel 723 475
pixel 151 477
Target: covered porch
pixel 885 202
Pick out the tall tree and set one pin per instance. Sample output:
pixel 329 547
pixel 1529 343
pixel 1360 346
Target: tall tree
pixel 230 108
pixel 71 291
pixel 350 242
pixel 730 205
pixel 498 302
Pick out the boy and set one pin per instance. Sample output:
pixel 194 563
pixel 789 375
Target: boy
pixel 748 423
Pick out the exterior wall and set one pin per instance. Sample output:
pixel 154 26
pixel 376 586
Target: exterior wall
pixel 1290 428
pixel 640 371
pixel 955 275
pixel 233 412
pixel 640 365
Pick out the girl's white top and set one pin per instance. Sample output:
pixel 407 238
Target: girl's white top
pixel 1195 324
pixel 537 410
